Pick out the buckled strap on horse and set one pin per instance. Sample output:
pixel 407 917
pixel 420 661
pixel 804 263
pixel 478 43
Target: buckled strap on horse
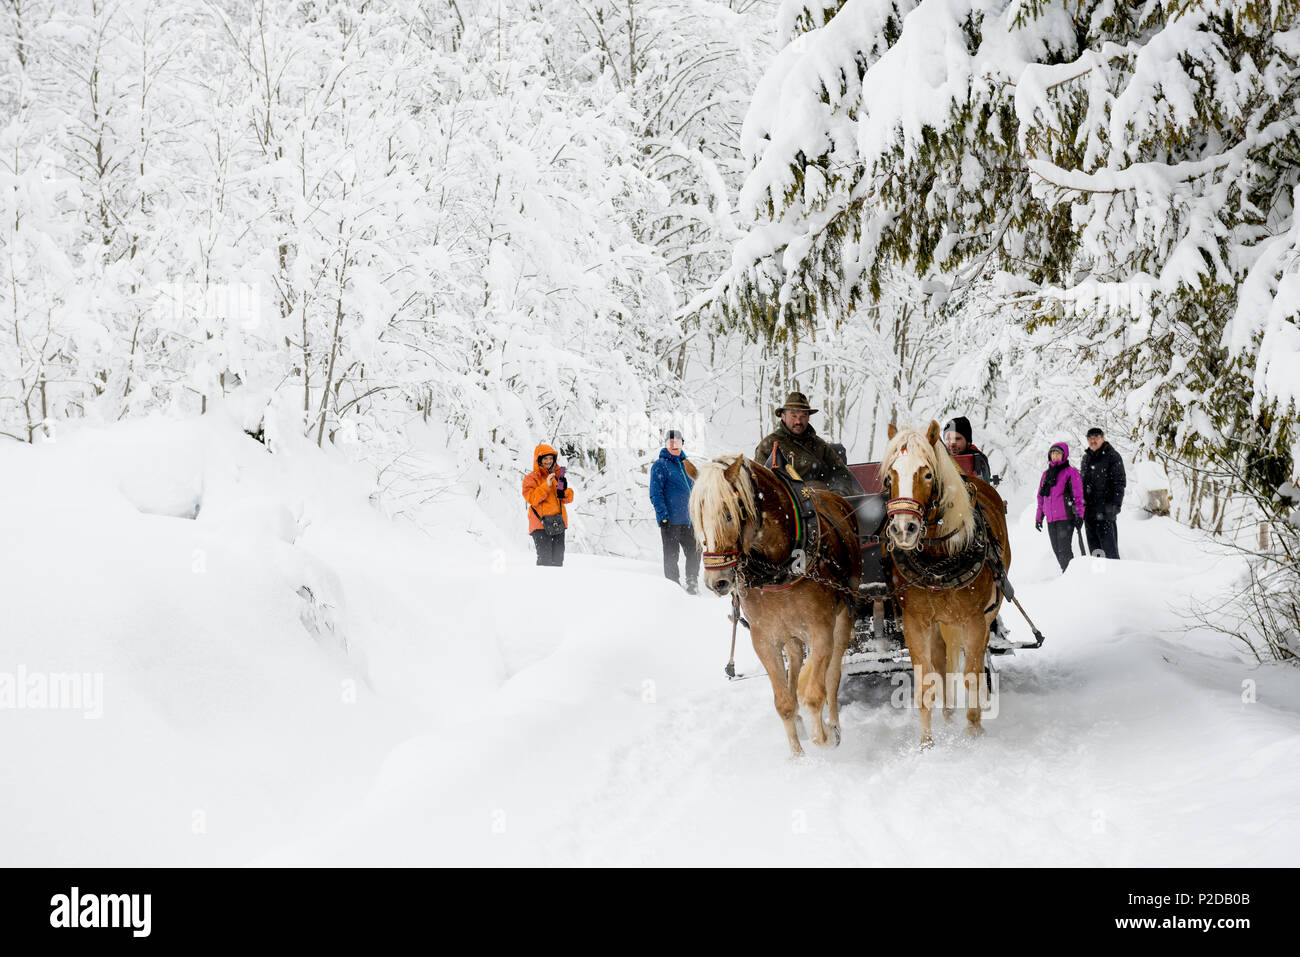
pixel 911 506
pixel 905 506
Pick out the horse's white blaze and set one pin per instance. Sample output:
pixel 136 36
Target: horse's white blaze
pixel 907 464
pixel 907 451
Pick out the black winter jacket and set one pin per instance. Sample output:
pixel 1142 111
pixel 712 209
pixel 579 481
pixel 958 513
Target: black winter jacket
pixel 1103 481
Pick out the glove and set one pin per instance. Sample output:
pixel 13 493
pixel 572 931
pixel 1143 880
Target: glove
pixel 561 485
pixel 1038 525
pixel 1112 512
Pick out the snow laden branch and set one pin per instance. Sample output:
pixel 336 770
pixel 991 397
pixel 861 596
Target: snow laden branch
pixel 359 219
pixel 1035 147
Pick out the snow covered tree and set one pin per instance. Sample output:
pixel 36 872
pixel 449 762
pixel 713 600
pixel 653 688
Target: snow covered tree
pixel 1078 187
pixel 374 221
pixel 1125 171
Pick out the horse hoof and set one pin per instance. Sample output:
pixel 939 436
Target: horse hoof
pixel 835 736
pixel 974 730
pixel 927 744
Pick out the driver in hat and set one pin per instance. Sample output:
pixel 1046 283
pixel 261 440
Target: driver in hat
pixel 811 455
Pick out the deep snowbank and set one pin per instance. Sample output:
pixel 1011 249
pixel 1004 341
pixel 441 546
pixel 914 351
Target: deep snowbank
pixel 289 677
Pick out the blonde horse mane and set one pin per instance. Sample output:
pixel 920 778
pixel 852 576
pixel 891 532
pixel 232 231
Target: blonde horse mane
pixel 954 502
pixel 714 500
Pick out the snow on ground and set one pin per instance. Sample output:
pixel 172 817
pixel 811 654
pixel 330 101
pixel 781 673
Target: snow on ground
pixel 290 678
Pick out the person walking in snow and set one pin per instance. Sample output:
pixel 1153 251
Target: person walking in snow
pixel 1060 490
pixel 1103 494
pixel 957 436
pixel 547 491
pixel 670 492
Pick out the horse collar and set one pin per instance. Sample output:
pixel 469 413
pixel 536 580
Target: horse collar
pixel 942 573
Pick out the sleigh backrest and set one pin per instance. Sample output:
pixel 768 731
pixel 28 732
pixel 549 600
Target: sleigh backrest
pixel 868 473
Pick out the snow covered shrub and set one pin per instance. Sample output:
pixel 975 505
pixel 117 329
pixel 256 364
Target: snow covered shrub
pixel 1254 514
pixel 1263 610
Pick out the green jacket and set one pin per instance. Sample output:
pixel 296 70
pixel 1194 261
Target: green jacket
pixel 811 457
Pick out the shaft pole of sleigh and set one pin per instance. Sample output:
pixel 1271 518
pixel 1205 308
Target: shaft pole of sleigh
pixel 1038 635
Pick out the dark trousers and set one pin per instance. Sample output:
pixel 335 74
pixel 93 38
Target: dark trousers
pixel 1062 538
pixel 550 551
pixel 1103 537
pixel 683 537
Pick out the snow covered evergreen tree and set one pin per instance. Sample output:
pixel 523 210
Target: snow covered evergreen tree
pixel 1122 169
pixel 1118 179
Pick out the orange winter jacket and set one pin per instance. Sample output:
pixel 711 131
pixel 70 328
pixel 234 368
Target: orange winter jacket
pixel 541 495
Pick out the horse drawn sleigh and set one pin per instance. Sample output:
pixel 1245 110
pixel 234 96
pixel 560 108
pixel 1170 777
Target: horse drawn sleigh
pixel 910 574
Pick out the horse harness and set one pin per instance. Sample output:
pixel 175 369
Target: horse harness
pixel 943 573
pixel 802 563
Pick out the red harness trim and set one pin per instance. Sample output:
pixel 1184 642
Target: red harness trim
pixel 905 506
pixel 712 564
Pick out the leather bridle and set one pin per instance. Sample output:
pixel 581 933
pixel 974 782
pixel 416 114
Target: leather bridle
pixel 721 561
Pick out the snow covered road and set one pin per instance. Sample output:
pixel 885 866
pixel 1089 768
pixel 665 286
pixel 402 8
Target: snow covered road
pixel 1115 744
pixel 457 705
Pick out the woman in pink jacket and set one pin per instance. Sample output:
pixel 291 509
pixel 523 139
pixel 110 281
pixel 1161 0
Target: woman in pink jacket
pixel 1060 501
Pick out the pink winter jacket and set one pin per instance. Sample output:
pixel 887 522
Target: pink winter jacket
pixel 1052 506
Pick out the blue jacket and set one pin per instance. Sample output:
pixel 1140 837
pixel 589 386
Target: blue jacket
pixel 670 488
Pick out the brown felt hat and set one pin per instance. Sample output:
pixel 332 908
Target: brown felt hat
pixel 796 402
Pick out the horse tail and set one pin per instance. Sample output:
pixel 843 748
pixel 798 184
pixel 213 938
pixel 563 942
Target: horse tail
pixel 805 676
pixel 952 646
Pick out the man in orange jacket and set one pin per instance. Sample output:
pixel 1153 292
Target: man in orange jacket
pixel 546 491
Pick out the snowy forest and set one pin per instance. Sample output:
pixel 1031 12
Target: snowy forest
pixel 382 225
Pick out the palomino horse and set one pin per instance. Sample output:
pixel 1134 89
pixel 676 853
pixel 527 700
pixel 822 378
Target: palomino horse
pixel 950 552
pixel 750 529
